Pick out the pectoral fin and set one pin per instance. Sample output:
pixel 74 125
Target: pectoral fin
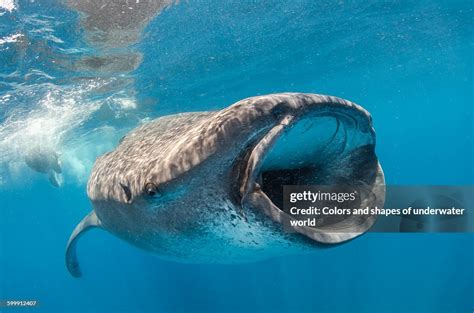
pixel 89 222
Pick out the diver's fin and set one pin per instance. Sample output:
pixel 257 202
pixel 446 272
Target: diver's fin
pixel 89 222
pixel 54 178
pixel 57 166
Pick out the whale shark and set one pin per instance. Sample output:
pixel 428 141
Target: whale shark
pixel 206 187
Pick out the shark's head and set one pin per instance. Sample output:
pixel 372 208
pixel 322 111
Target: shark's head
pixel 178 171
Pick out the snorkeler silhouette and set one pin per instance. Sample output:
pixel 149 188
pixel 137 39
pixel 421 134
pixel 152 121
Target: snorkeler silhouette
pixel 45 160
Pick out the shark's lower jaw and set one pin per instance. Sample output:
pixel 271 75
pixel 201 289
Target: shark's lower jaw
pixel 330 149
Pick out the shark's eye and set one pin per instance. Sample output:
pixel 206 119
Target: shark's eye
pixel 151 189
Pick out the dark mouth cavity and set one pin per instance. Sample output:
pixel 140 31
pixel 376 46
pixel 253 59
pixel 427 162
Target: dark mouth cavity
pixel 272 181
pixel 325 151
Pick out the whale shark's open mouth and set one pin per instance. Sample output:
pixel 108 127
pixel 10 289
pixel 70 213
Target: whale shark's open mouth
pixel 330 148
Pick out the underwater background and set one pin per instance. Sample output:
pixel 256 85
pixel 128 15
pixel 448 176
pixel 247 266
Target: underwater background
pixel 75 76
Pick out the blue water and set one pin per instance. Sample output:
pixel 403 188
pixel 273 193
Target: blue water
pixel 63 86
